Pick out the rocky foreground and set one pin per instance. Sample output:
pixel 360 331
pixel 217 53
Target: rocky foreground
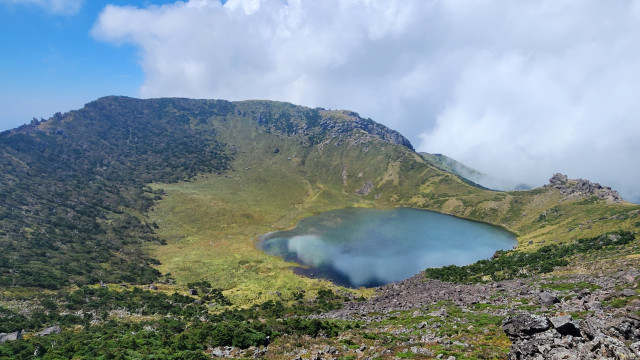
pixel 560 317
pixel 575 317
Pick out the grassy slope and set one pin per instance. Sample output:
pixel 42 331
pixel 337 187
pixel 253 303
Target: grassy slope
pixel 211 224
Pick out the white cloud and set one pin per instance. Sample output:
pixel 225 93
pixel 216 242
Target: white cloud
pixel 517 89
pixel 60 7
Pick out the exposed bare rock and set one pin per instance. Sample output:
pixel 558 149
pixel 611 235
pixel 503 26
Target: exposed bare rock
pixel 10 336
pixel 548 299
pixel 343 175
pixel 583 188
pixel 50 330
pixel 558 179
pixel 230 352
pixel 565 325
pixel 365 189
pixel 606 333
pixel 597 337
pixel 524 326
pixel 421 351
pixel 629 292
pixel 355 122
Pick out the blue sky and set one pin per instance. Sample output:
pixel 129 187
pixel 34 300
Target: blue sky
pixel 517 89
pixel 50 62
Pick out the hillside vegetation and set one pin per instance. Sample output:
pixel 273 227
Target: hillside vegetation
pixel 211 223
pixel 91 195
pixel 72 189
pixel 99 203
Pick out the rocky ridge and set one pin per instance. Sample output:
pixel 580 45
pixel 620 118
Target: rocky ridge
pixel 305 123
pixel 355 122
pixel 572 188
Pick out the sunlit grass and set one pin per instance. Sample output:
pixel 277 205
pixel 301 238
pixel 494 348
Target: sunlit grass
pixel 211 225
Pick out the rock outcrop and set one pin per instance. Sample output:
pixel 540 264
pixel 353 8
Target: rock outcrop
pixel 4 337
pixel 579 187
pixel 548 299
pixel 597 337
pixel 355 122
pixel 50 330
pixel 365 189
pixel 305 122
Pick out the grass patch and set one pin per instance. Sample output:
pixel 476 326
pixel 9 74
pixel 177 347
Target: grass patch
pixel 561 286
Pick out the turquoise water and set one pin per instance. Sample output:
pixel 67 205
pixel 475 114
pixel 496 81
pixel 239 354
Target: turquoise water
pixel 366 247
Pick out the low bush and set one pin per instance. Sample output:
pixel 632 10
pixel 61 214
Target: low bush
pixel 514 264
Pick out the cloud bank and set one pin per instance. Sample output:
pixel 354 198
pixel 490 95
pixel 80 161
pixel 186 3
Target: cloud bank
pixel 518 89
pixel 59 7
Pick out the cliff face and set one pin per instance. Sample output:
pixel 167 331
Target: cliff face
pixel 352 122
pixel 572 188
pixel 310 126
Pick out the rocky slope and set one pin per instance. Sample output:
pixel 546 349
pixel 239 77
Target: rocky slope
pixel 583 188
pixel 585 317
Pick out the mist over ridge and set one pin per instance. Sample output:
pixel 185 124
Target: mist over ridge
pixel 518 91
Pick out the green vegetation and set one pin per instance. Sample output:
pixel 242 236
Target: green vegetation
pixel 125 190
pixel 72 189
pixel 120 177
pixel 471 334
pixel 139 323
pixel 515 264
pixel 561 286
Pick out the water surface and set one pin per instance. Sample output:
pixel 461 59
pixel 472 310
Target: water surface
pixel 367 247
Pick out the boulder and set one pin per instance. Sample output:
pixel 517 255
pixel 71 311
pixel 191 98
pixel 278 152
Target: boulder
pixel 558 179
pixel 421 351
pixel 625 328
pixel 4 337
pixel 50 330
pixel 547 298
pixel 629 292
pixel 565 325
pixel 422 325
pixel 221 352
pixel 525 326
pixel 593 306
pixel 441 312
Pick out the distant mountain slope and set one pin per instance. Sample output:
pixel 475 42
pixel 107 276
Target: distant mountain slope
pixel 451 165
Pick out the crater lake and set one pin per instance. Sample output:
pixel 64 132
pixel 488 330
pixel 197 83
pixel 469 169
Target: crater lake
pixel 367 247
